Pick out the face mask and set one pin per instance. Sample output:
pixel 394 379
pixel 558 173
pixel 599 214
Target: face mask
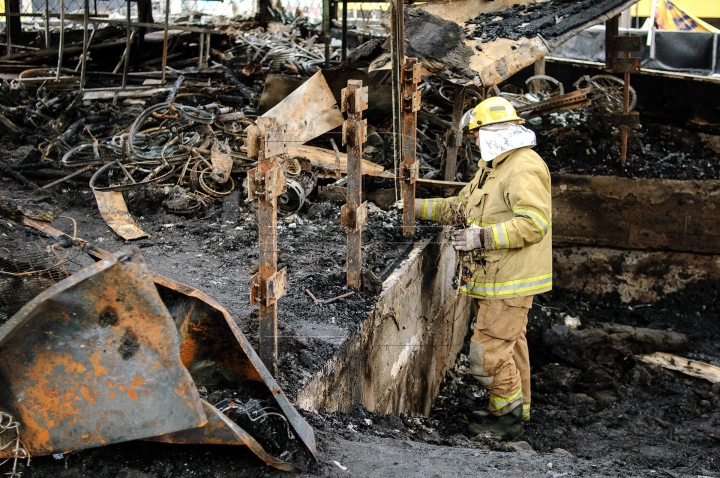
pixel 497 139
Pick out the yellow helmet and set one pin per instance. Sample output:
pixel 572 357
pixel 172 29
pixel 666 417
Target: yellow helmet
pixel 493 110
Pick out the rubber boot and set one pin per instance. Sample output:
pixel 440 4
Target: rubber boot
pixel 506 427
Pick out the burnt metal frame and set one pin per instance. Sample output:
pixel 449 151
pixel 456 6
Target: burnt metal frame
pixel 614 44
pixel 266 182
pixel 354 101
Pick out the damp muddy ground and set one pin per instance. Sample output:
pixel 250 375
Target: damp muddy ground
pixel 596 410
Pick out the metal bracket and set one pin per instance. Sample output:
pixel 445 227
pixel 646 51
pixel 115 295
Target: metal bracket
pixel 268 187
pixel 409 172
pixel 275 144
pixel 412 73
pixel 353 220
pixel 274 288
pixel 630 120
pixel 626 65
pixel 349 127
pixel 354 100
pixel 626 43
pixel 412 101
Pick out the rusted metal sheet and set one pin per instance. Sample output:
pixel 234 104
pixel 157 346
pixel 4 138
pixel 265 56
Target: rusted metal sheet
pixel 220 430
pixel 217 354
pixel 309 111
pixel 115 213
pixel 95 360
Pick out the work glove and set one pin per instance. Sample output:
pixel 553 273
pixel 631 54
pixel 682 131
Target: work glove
pixel 469 238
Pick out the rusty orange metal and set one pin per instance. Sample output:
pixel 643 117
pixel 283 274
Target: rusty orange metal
pixel 220 430
pixel 205 339
pixel 95 360
pixel 209 335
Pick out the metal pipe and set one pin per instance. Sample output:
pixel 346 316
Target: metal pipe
pixel 343 54
pixel 128 34
pixel 165 40
pixel 61 47
pixel 397 53
pixel 326 31
pixel 86 13
pixel 201 54
pixel 47 24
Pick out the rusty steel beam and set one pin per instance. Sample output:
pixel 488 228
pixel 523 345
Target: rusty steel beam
pixel 454 135
pixel 266 182
pixel 411 102
pixel 354 213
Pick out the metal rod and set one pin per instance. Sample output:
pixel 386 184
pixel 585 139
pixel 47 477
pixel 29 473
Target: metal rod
pixel 454 137
pixel 343 54
pixel 207 49
pixel 397 53
pixel 201 54
pixel 46 23
pixel 626 107
pixel 354 101
pixel 86 13
pixel 326 31
pixel 128 34
pixel 165 40
pixel 61 47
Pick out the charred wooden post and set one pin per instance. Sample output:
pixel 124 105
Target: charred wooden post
pixel 453 140
pixel 86 13
pixel 343 54
pixel 354 212
pixel 613 45
pixel 409 166
pixel 266 182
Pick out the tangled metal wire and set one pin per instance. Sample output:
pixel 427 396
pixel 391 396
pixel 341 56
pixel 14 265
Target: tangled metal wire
pixel 283 49
pixel 169 143
pixel 8 426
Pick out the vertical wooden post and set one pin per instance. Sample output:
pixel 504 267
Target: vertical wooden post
pixel 397 53
pixel 354 214
pixel 326 31
pixel 266 182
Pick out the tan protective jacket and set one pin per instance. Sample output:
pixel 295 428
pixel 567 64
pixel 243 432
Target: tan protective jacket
pixel 512 200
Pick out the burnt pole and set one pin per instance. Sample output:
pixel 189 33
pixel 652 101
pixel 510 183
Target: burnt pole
pixel 265 142
pixel 354 213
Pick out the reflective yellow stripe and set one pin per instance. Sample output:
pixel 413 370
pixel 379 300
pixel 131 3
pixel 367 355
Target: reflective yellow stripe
pixel 496 237
pixel 507 234
pixel 540 222
pixel 428 210
pixel 501 402
pixel 478 223
pixel 499 289
pixel 526 410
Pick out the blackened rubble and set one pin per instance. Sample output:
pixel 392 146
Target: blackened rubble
pixel 547 19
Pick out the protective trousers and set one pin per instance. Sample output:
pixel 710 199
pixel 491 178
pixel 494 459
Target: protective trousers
pixel 499 357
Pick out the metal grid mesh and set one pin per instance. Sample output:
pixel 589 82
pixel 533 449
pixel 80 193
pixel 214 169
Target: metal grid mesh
pixel 26 273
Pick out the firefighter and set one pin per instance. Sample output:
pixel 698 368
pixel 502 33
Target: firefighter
pixel 505 250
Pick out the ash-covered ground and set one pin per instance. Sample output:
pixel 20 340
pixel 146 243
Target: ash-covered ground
pixel 585 142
